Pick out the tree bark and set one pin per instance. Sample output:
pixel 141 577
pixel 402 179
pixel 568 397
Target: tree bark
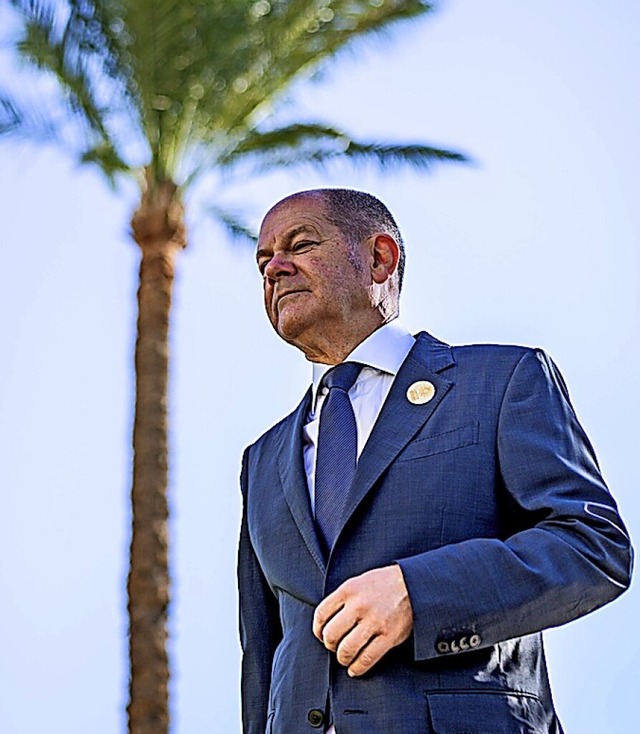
pixel 158 229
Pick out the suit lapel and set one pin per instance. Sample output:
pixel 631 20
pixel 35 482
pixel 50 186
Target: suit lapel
pixel 398 422
pixel 294 479
pixel 399 419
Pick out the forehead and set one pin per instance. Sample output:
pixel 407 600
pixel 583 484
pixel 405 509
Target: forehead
pixel 290 216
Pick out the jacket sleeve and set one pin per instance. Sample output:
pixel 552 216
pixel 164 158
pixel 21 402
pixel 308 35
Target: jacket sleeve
pixel 570 554
pixel 260 630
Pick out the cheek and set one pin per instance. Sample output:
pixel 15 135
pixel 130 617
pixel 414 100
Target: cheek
pixel 267 293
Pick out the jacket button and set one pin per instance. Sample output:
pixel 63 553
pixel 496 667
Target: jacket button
pixel 316 718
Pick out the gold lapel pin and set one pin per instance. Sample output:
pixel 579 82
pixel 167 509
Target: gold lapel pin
pixel 421 392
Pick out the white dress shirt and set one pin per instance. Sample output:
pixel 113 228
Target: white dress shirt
pixel 382 353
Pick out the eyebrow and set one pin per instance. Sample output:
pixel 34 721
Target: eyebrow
pixel 287 238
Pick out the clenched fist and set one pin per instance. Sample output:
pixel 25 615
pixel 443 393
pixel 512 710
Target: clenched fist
pixel 364 618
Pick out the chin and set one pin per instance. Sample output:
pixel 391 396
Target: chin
pixel 287 331
pixel 289 323
pixel 292 330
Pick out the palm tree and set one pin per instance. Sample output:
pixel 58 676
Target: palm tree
pixel 162 92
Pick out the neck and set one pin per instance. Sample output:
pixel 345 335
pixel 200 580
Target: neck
pixel 337 347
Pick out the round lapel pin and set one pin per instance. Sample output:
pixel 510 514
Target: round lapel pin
pixel 421 392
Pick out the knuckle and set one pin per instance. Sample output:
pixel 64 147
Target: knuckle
pixel 362 604
pixel 344 655
pixel 350 586
pixel 383 627
pixel 329 641
pixel 375 625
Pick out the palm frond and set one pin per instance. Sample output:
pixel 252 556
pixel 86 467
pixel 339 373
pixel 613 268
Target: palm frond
pixel 288 137
pixel 107 158
pixel 27 121
pixel 180 87
pixel 296 37
pixel 11 116
pixel 317 145
pixel 205 69
pixel 233 223
pixel 74 47
pixel 416 155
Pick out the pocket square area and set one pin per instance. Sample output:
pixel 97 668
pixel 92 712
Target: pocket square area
pixel 457 438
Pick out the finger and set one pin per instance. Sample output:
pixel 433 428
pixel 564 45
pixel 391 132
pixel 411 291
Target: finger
pixel 369 655
pixel 353 643
pixel 334 602
pixel 340 625
pixel 325 611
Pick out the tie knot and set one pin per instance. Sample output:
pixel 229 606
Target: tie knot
pixel 343 376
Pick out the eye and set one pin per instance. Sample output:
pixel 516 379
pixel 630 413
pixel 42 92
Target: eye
pixel 303 245
pixel 294 248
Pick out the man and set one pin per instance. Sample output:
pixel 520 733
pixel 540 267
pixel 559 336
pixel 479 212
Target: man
pixel 410 528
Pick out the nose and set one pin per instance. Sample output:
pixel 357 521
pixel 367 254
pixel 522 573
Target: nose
pixel 280 264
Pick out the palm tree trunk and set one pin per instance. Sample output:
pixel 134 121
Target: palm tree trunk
pixel 158 229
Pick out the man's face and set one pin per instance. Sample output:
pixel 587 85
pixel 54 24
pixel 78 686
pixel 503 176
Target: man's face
pixel 316 287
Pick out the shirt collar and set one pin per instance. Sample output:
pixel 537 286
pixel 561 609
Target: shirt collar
pixel 385 350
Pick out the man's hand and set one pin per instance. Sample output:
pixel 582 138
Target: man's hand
pixel 364 618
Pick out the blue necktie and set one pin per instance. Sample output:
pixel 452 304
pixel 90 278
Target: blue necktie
pixel 337 450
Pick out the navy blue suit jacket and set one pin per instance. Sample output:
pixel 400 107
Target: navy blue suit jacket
pixel 489 497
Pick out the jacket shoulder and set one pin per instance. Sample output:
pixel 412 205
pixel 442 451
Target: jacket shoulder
pixel 497 355
pixel 506 354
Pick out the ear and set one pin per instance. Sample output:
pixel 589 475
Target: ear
pixel 385 254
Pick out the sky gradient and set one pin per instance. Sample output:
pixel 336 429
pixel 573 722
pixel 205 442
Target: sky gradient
pixel 535 243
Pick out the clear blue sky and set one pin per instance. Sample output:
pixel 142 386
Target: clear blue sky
pixel 536 244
